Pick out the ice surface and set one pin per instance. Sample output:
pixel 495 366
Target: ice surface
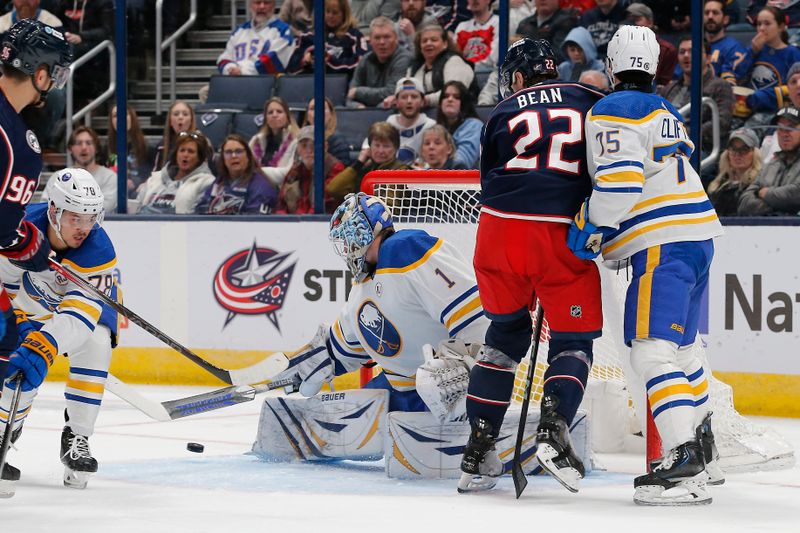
pixel 149 483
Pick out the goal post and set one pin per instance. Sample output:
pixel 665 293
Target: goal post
pixel 447 204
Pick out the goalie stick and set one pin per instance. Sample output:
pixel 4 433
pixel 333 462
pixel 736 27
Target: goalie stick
pixel 263 370
pixel 192 405
pixel 12 415
pixel 517 474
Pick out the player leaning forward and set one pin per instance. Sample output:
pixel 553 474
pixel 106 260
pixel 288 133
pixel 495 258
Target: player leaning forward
pixel 411 289
pixel 533 178
pixel 55 316
pixel 648 204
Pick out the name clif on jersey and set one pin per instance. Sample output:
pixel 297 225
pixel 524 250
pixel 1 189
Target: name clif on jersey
pixel 547 95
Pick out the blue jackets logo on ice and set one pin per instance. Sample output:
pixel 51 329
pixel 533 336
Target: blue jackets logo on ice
pixel 377 331
pixel 253 281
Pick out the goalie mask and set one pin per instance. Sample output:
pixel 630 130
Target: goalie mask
pixel 354 226
pixel 74 190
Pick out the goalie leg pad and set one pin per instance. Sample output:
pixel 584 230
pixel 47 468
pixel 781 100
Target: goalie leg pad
pixel 565 378
pixel 491 383
pixel 328 426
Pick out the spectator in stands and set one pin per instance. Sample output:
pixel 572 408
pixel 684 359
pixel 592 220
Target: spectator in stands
pixel 83 146
pixel 180 119
pixel 595 78
pixel 274 145
pixel 790 7
pixel 436 61
pixel 776 190
pixel 770 143
pixel 383 143
pixel 581 55
pixel 519 10
pixel 178 187
pixel 725 50
pixel 344 44
pixel 337 144
pixel 28 9
pixel 366 10
pixel 377 74
pixel 739 166
pixel 262 45
pixel 87 24
pixel 765 66
pixel 477 38
pixel 140 154
pixel 678 92
pixel 641 15
pixel 44 121
pixel 438 150
pixel 412 17
pixel 410 121
pixel 241 187
pixel 457 114
pixel 448 13
pixel 298 14
pixel 603 21
pixel 296 195
pixel 550 22
pixel 488 94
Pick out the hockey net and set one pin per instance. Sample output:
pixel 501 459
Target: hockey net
pixel 447 203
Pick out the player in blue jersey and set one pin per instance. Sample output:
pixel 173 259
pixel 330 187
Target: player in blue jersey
pixel 648 205
pixel 533 175
pixel 55 317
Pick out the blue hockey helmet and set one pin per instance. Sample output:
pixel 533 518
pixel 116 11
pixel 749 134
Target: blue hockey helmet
pixel 532 57
pixel 354 226
pixel 29 44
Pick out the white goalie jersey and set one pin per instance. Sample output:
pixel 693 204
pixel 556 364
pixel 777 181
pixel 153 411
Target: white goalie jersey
pixel 422 293
pixel 644 187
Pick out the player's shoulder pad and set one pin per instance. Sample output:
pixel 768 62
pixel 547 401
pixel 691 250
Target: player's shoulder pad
pixel 96 254
pixel 630 106
pixel 406 249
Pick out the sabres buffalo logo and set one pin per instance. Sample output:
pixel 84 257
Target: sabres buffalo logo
pixel 253 282
pixel 377 331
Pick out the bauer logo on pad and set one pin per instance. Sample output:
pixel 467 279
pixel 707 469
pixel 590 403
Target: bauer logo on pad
pixel 253 281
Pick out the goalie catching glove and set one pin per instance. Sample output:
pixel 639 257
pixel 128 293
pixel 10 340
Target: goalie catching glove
pixel 443 378
pixel 313 363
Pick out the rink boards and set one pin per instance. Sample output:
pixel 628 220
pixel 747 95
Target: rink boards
pixel 236 289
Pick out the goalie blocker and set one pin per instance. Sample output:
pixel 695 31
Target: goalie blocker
pixel 356 425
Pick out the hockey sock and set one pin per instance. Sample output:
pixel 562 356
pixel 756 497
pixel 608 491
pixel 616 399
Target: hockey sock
pixel 491 383
pixel 566 375
pixel 695 374
pixel 511 337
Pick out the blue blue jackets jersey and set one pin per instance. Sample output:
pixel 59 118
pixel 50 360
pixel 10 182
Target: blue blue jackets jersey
pixel 59 307
pixel 20 166
pixel 533 163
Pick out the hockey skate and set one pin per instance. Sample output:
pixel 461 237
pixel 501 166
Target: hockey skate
pixel 554 451
pixel 680 479
pixel 77 459
pixel 480 466
pixel 8 481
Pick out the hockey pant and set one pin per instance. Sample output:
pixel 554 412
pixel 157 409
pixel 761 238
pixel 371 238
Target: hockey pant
pixel 661 315
pixel 88 370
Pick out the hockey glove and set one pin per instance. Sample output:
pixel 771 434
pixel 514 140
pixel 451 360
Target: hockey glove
pixel 34 249
pixel 442 380
pixel 313 363
pixel 33 358
pixel 584 238
pixel 24 325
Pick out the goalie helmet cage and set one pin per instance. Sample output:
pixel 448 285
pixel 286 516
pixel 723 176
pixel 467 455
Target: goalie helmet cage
pixel 447 204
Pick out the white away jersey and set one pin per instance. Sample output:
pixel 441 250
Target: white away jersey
pixel 644 187
pixel 422 292
pixel 62 309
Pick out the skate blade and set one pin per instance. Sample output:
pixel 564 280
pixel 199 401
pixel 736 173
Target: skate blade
pixel 7 488
pixel 475 483
pixel 684 493
pixel 568 477
pixel 76 480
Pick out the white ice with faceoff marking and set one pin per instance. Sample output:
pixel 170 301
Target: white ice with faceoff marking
pixel 149 482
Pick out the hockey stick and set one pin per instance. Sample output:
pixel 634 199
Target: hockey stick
pixel 192 405
pixel 517 474
pixel 12 415
pixel 261 371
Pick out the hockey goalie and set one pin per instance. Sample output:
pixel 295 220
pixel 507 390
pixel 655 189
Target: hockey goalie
pixel 416 312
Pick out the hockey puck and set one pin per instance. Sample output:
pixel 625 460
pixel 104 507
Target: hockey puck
pixel 195 447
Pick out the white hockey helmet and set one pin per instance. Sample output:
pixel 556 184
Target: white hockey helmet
pixel 633 48
pixel 74 190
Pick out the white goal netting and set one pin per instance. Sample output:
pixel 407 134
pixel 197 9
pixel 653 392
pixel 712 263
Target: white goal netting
pixel 446 203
